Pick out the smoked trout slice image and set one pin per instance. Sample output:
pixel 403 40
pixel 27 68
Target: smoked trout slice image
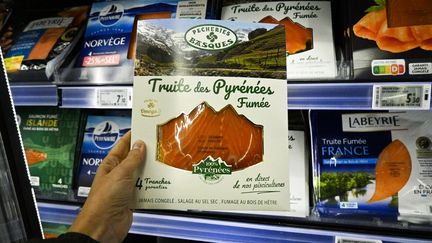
pixel 392 171
pixel 34 156
pixel 190 138
pixel 298 38
pixel 396 40
pixel 423 35
pixel 369 26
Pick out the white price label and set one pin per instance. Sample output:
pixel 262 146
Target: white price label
pixel 191 9
pixel 397 97
pixel 113 98
pixel 34 181
pixel 343 239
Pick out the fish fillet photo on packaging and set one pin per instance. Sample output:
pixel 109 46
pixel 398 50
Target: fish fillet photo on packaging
pixel 373 165
pixel 203 109
pixel 49 137
pixel 390 39
pixel 309 34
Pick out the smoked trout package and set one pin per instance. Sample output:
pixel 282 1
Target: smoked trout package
pixel 390 39
pixel 373 165
pixel 308 28
pixel 203 109
pixel 35 43
pixel 107 51
pixel 100 135
pixel 50 136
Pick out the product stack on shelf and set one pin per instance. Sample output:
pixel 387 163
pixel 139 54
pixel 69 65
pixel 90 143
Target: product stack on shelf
pixel 210 83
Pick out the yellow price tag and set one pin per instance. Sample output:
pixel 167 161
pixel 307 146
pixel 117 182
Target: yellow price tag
pixel 13 63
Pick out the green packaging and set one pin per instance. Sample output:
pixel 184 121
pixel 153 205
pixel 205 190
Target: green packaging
pixel 50 135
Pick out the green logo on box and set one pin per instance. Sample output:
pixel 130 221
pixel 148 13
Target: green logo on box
pixel 211 169
pixel 210 37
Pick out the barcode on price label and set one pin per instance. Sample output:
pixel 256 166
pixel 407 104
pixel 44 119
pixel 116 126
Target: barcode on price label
pixel 343 239
pixel 114 98
pixel 397 97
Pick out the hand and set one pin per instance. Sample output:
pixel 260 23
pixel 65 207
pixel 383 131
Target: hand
pixel 106 216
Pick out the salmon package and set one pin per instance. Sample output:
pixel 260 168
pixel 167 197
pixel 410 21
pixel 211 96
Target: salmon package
pixel 390 39
pixel 35 43
pixel 308 29
pixel 372 165
pixel 203 112
pixel 100 135
pixel 107 51
pixel 50 136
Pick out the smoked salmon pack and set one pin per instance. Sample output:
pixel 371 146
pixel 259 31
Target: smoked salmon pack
pixel 310 47
pixel 372 164
pixel 390 39
pixel 50 141
pixel 101 132
pixel 107 51
pixel 35 43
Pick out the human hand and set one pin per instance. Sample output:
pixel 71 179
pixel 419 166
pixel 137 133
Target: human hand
pixel 106 216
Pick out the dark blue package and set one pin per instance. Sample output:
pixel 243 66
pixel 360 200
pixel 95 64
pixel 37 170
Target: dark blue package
pixel 100 135
pixel 344 164
pixel 107 50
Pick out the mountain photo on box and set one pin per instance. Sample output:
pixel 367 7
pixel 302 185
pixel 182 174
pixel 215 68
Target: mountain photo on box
pixel 50 136
pixel 101 133
pixel 391 39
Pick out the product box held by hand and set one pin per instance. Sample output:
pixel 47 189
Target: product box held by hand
pixel 49 137
pixel 309 36
pixel 390 39
pixel 211 144
pixel 100 135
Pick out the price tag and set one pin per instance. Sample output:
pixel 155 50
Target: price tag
pixel 114 98
pixel 343 239
pixel 401 97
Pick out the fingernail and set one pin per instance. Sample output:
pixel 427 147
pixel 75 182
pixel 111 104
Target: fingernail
pixel 138 145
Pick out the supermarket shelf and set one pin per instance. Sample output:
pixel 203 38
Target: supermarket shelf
pixel 34 95
pixel 215 230
pixel 341 96
pixel 347 96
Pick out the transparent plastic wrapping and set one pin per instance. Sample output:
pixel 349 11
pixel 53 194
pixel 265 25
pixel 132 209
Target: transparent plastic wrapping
pixel 11 226
pixel 372 166
pixel 190 138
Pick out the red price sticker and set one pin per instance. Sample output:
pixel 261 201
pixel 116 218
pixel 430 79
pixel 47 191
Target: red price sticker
pixel 102 60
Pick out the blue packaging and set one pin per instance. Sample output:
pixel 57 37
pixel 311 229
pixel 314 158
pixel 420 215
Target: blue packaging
pixel 344 168
pixel 100 135
pixel 108 49
pixel 108 33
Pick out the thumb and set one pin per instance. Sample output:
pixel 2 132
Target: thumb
pixel 134 159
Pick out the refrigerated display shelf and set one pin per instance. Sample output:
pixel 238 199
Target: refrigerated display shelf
pixel 346 96
pixel 193 228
